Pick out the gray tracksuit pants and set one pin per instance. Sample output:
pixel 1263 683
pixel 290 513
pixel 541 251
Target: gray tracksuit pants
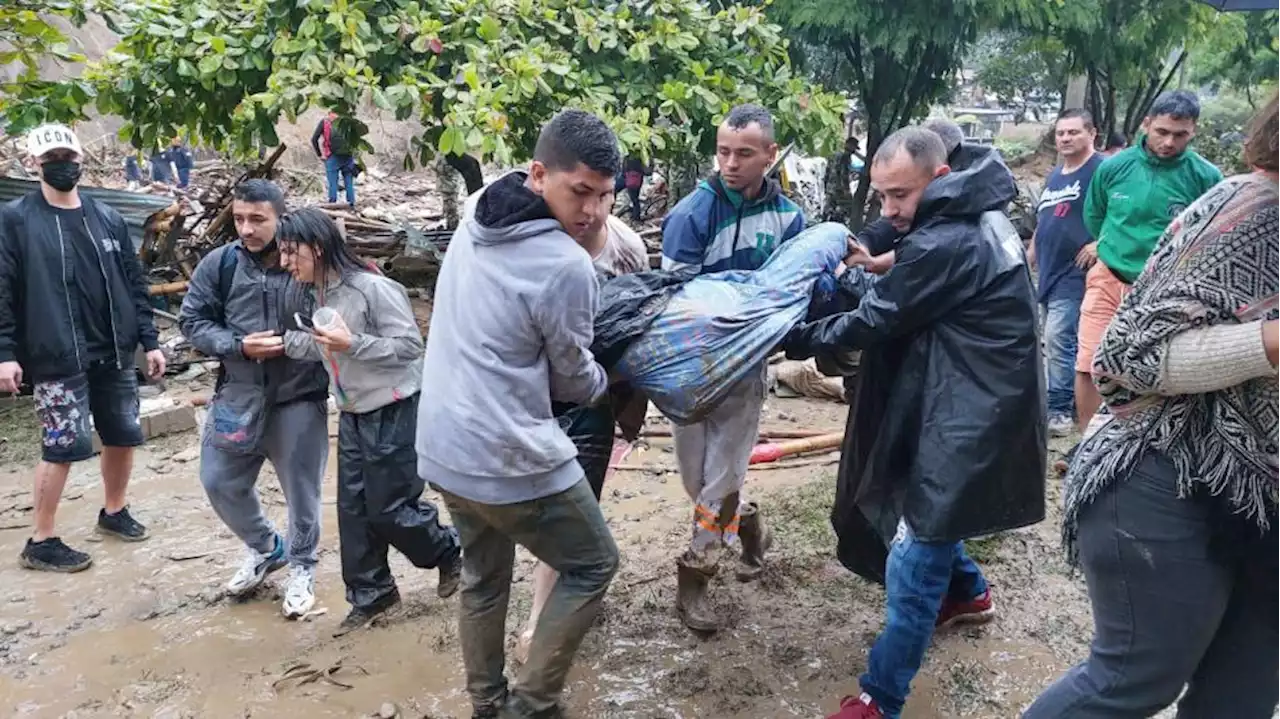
pixel 296 440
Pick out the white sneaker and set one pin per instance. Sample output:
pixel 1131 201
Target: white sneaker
pixel 256 567
pixel 300 593
pixel 1061 426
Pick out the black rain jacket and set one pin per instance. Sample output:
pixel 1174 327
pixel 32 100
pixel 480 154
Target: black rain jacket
pixel 947 413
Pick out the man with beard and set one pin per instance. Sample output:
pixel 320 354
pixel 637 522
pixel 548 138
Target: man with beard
pixel 266 406
pixel 73 310
pixel 946 433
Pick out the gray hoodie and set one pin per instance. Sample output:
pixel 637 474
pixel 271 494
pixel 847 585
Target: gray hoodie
pixel 510 331
pixel 384 363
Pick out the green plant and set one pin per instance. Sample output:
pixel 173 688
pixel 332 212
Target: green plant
pixel 1220 133
pixel 481 76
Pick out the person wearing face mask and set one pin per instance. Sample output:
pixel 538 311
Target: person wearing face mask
pixel 947 428
pixel 372 348
pixel 73 311
pixel 732 221
pixel 265 406
pixel 487 436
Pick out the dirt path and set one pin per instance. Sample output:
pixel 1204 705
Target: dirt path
pixel 147 632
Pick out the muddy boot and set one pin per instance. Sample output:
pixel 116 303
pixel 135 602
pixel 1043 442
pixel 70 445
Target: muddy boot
pixel 692 583
pixel 756 540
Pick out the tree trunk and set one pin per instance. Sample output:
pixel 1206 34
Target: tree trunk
pixel 469 168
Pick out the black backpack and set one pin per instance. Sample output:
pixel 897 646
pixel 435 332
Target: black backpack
pixel 339 145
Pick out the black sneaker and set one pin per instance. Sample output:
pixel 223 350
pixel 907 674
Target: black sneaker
pixel 450 577
pixel 52 555
pixel 361 617
pixel 121 525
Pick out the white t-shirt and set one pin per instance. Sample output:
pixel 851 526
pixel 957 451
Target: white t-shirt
pixel 623 252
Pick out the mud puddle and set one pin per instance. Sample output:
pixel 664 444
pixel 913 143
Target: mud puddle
pixel 147 631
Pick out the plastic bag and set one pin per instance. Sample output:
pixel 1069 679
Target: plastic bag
pixel 718 328
pixel 628 304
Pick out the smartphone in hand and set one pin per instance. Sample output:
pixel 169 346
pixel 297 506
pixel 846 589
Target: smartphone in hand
pixel 304 323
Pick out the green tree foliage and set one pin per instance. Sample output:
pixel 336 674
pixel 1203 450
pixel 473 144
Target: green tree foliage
pixel 895 56
pixel 1023 70
pixel 1240 52
pixel 30 34
pixel 1126 48
pixel 480 75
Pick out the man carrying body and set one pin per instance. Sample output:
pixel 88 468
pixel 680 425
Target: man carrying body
pixel 946 432
pixel 1132 199
pixel 1056 251
pixel 487 438
pixel 733 221
pixel 334 147
pixel 266 406
pixel 73 310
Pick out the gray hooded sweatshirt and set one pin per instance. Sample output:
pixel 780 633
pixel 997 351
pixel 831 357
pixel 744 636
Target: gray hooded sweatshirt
pixel 510 331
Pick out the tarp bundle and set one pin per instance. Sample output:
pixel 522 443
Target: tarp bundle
pixel 715 329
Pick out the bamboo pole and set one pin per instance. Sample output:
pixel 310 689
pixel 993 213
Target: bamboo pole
pixel 168 288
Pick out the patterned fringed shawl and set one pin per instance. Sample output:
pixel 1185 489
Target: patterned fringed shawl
pixel 1217 263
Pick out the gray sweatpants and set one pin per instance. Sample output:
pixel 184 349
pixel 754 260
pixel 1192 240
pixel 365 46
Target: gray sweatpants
pixel 713 456
pixel 296 440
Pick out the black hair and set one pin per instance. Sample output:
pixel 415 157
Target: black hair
pixel 1177 104
pixel 852 143
pixel 1077 113
pixel 576 137
pixel 748 114
pixel 1116 139
pixel 259 190
pixel 313 228
pixel 922 145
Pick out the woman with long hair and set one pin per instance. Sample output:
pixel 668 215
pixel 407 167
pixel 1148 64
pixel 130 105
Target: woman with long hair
pixel 364 331
pixel 1171 501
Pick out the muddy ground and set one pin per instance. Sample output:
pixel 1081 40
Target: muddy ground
pixel 147 631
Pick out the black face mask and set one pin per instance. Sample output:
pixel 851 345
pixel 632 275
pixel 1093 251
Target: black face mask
pixel 62 175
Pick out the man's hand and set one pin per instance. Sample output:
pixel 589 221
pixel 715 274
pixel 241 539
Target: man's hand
pixel 858 255
pixel 335 339
pixel 155 364
pixel 1031 253
pixel 11 377
pixel 1270 340
pixel 262 346
pixel 1087 256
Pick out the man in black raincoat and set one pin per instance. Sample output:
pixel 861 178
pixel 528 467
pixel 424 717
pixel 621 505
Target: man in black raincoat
pixel 946 433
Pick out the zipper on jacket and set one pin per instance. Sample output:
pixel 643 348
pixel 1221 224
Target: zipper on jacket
pixel 111 305
pixel 66 292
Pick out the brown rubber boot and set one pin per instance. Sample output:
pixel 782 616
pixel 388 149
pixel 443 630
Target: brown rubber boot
pixel 756 540
pixel 692 584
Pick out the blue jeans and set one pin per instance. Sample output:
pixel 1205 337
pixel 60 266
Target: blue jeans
pixel 334 165
pixel 1061 322
pixel 568 532
pixel 919 575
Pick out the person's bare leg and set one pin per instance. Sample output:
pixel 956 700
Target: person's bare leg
pixel 1087 400
pixel 544 580
pixel 50 479
pixel 117 465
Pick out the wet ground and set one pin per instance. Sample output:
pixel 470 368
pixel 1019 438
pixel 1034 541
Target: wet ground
pixel 147 631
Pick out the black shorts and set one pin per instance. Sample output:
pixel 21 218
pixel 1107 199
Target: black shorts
pixel 107 394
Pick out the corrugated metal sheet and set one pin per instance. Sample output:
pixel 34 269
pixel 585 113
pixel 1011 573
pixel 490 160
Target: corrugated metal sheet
pixel 134 207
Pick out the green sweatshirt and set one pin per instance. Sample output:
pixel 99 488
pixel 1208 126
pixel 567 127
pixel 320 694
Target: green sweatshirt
pixel 1134 196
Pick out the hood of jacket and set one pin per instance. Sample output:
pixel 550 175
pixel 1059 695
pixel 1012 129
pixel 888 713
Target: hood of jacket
pixel 985 185
pixel 508 211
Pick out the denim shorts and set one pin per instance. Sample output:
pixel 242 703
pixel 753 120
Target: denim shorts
pixel 104 392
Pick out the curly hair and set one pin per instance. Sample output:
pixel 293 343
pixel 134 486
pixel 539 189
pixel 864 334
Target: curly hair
pixel 1263 147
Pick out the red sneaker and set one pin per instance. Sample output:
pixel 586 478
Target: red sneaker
pixel 978 610
pixel 860 707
